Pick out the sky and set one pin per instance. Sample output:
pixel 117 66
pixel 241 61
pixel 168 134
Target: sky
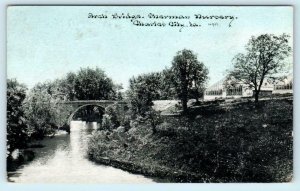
pixel 45 43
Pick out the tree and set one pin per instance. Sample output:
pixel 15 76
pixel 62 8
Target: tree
pixel 16 124
pixel 188 73
pixel 43 111
pixel 142 91
pixel 93 84
pixel 264 58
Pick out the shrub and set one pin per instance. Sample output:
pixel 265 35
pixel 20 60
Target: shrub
pixel 107 123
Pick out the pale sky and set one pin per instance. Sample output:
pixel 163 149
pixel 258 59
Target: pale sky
pixel 45 43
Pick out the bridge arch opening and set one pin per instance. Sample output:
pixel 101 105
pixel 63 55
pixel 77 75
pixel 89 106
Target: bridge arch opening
pixel 87 112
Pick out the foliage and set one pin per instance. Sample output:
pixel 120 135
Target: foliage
pixel 116 114
pixel 106 123
pixel 114 117
pixel 16 123
pixel 142 91
pixel 66 86
pixel 93 84
pixel 43 111
pixel 189 76
pixel 89 84
pixel 154 118
pixel 265 56
pixel 184 80
pixel 167 88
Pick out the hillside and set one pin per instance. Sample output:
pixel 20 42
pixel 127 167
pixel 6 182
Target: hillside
pixel 232 142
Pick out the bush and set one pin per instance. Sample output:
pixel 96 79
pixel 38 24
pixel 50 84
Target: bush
pixel 115 114
pixel 107 123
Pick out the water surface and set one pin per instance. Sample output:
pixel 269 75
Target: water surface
pixel 64 160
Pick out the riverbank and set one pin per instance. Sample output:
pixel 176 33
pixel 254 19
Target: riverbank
pixel 239 142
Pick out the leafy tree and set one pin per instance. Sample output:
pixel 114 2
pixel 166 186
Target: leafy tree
pixel 88 84
pixel 142 91
pixel 16 124
pixel 43 111
pixel 263 59
pixel 93 84
pixel 188 74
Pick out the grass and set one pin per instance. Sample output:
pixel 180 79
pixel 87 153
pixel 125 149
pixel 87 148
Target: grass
pixel 239 142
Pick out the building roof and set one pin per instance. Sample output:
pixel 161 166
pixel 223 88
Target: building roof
pixel 216 86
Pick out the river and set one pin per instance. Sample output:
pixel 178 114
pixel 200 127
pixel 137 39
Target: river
pixel 64 160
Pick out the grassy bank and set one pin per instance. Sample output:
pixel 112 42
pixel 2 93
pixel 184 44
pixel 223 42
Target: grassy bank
pixel 230 143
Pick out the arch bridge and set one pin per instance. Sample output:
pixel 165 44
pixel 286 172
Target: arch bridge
pixel 73 106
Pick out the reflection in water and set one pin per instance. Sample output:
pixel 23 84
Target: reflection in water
pixel 63 160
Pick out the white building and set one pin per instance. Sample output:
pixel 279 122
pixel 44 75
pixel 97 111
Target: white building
pixel 219 91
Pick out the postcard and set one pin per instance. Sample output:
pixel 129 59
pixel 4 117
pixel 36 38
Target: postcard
pixel 149 94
